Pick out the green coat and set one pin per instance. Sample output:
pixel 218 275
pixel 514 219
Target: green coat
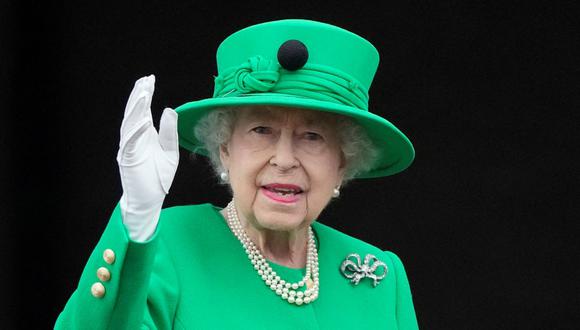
pixel 194 274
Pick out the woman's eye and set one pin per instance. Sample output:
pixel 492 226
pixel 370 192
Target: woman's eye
pixel 313 136
pixel 262 130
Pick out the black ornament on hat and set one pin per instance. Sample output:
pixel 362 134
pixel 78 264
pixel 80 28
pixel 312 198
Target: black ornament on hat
pixel 292 55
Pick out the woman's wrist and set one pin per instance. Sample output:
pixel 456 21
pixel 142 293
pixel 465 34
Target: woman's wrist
pixel 140 219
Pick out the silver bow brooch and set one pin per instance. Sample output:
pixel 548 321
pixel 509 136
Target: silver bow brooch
pixel 356 271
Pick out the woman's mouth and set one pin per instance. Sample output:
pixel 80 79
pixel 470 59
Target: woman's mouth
pixel 283 193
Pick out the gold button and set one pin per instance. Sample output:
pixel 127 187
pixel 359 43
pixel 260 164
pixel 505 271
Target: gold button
pixel 98 290
pixel 103 274
pixel 109 256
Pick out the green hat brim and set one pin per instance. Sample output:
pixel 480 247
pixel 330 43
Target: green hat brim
pixel 396 152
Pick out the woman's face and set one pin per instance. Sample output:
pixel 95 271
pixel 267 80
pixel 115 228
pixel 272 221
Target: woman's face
pixel 283 165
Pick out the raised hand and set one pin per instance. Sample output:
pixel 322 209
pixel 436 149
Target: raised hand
pixel 147 160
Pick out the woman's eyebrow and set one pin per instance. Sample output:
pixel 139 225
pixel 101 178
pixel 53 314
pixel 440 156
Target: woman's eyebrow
pixel 262 114
pixel 322 122
pixel 315 121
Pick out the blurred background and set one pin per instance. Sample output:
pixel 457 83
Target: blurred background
pixel 484 219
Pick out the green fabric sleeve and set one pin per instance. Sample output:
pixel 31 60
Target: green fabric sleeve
pixel 142 291
pixel 405 310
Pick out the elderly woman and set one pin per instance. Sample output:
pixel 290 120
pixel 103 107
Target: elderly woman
pixel 286 128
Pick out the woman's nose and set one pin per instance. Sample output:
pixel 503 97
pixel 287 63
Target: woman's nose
pixel 284 155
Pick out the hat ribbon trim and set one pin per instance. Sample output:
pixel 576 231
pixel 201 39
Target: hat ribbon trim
pixel 314 81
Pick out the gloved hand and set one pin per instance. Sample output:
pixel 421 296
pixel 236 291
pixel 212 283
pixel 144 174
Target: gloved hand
pixel 147 161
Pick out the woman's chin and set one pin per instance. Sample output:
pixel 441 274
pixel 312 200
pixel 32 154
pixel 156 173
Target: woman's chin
pixel 280 221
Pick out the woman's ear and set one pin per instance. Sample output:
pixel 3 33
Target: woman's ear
pixel 225 156
pixel 340 177
pixel 342 167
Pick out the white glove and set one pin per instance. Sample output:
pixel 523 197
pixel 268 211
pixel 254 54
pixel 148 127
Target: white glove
pixel 147 161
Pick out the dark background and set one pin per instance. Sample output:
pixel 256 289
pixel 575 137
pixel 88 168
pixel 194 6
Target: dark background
pixel 484 220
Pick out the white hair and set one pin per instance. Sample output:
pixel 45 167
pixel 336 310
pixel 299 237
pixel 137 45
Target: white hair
pixel 215 129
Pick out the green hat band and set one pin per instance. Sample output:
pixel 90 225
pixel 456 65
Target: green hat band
pixel 314 81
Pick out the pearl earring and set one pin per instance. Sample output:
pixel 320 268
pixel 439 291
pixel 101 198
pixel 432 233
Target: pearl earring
pixel 336 192
pixel 224 176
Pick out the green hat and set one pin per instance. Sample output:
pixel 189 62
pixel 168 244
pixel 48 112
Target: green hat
pixel 302 64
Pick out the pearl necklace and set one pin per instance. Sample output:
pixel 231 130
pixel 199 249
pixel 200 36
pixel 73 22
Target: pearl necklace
pixel 286 290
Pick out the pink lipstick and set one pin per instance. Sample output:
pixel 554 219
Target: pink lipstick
pixel 283 193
